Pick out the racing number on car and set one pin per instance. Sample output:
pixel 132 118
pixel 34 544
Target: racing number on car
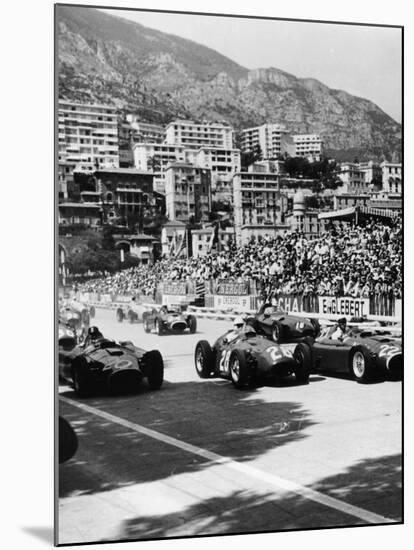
pixel 224 361
pixel 388 351
pixel 277 353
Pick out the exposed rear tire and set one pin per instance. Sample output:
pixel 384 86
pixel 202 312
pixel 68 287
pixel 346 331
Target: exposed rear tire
pixel 361 365
pixel 68 441
pixel 303 358
pixel 154 369
pixel 145 322
pixel 203 359
pixel 192 324
pixel 239 370
pixel 132 317
pixel 92 312
pixel 119 315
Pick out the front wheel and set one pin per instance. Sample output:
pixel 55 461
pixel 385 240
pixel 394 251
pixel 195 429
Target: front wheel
pixel 159 329
pixel 239 371
pixel 146 323
pixel 155 369
pixel 92 312
pixel 360 365
pixel 276 331
pixel 303 358
pixel 132 317
pixel 203 358
pixel 119 315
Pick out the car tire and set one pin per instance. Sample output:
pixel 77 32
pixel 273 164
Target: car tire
pixel 239 370
pixel 303 358
pixel 159 329
pixel 360 364
pixel 155 369
pixel 316 327
pixel 68 441
pixel 192 323
pixel 203 359
pixel 132 317
pixel 119 315
pixel 81 380
pixel 277 331
pixel 145 321
pixel 92 312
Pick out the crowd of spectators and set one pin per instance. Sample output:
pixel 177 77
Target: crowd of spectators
pixel 358 261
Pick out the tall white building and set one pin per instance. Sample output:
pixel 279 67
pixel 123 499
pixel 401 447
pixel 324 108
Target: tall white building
pixel 194 135
pixel 187 192
pixel 267 136
pixel 391 177
pixel 87 136
pixel 308 145
pixel 223 164
pixel 155 157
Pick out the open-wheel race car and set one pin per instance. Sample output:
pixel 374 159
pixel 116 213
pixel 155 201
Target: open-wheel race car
pixel 281 326
pixel 247 359
pixel 85 311
pixel 364 352
pixel 132 311
pixel 73 324
pixel 118 367
pixel 173 319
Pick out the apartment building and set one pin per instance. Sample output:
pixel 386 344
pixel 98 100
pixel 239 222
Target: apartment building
pixel 267 136
pixel 144 132
pixel 308 146
pixel 259 206
pixel 155 157
pixel 353 179
pixel 194 135
pixel 391 177
pixel 223 164
pixel 187 192
pixel 87 136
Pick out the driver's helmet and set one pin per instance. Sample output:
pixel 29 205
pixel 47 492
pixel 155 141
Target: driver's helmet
pixel 342 323
pixel 238 322
pixel 94 333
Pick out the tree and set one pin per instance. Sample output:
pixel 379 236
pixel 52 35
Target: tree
pixel 250 157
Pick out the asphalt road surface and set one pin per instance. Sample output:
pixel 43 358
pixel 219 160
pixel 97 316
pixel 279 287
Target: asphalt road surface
pixel 200 457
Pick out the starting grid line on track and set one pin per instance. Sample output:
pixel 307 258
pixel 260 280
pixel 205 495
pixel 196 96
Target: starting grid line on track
pixel 271 479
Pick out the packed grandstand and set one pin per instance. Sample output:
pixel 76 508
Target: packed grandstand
pixel 354 261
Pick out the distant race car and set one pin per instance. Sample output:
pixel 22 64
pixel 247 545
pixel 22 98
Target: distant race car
pixel 87 312
pixel 73 322
pixel 246 358
pixel 118 367
pixel 363 352
pixel 169 319
pixel 132 311
pixel 281 326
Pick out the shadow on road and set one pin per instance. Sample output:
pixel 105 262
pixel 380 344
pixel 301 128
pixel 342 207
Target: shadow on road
pixel 209 414
pixel 371 484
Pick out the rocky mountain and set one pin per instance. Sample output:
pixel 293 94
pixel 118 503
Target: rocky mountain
pixel 109 59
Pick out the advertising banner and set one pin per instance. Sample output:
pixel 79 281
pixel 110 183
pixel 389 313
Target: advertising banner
pixel 174 287
pixel 289 303
pixel 232 288
pixel 237 303
pixel 173 299
pixel 345 306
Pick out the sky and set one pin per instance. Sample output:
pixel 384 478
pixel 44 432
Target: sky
pixel 364 61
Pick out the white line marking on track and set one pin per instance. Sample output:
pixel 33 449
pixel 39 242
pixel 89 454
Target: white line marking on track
pixel 271 479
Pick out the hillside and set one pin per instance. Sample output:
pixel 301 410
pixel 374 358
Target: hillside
pixel 160 76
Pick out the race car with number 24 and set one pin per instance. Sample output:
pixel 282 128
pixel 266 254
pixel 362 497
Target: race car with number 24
pixel 247 359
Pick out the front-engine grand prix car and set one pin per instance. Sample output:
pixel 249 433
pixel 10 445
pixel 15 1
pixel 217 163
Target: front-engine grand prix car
pixel 281 326
pixel 363 352
pixel 118 367
pixel 169 319
pixel 72 322
pixel 247 358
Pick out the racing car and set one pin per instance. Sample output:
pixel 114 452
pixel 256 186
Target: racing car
pixel 73 323
pixel 281 326
pixel 118 367
pixel 169 319
pixel 247 358
pixel 86 312
pixel 364 352
pixel 133 311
